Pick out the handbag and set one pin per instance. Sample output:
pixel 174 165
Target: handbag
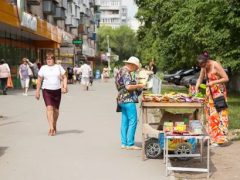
pixel 9 82
pixel 220 101
pixel 118 109
pixel 30 73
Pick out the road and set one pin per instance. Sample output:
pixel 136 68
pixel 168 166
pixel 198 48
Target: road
pixel 87 146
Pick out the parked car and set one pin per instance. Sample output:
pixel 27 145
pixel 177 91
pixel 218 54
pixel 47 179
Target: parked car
pixel 187 80
pixel 192 79
pixel 170 77
pixel 177 79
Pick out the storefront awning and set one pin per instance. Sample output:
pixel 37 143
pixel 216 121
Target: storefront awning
pixel 29 29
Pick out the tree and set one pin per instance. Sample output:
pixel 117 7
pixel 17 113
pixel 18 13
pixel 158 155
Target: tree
pixel 122 41
pixel 178 30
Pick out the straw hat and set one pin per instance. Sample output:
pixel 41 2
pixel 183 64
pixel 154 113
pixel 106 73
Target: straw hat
pixel 133 60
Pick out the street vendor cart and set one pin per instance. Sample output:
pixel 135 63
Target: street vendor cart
pixel 183 148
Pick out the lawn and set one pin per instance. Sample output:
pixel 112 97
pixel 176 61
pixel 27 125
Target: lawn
pixel 233 103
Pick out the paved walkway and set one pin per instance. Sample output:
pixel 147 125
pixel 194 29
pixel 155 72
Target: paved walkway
pixel 87 146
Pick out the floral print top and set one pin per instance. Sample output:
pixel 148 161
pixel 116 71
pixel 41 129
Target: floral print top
pixel 123 79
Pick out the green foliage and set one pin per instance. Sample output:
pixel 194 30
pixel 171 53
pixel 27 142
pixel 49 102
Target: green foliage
pixel 175 32
pixel 122 41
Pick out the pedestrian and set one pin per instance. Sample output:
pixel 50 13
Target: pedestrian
pixel 75 74
pixel 53 79
pixel 115 71
pixel 25 73
pixel 91 79
pixel 105 73
pixel 35 68
pixel 128 92
pixel 143 75
pixel 86 72
pixel 152 66
pixel 4 74
pixel 217 121
pixel 70 75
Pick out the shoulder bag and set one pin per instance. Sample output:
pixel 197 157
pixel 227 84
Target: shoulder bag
pixel 220 101
pixel 30 73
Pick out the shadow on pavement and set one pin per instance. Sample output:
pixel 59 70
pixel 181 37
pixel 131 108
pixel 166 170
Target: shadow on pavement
pixel 195 163
pixel 2 150
pixel 70 132
pixel 8 123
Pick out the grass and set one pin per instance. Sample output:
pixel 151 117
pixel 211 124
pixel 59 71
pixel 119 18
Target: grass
pixel 234 110
pixel 233 103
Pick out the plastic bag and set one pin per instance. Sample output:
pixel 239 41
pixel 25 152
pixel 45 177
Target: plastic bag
pixel 9 82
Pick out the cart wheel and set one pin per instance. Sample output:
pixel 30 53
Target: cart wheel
pixel 153 149
pixel 183 148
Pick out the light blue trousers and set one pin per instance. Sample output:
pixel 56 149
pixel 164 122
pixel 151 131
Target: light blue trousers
pixel 129 123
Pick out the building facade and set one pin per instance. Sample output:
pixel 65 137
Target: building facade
pixel 113 13
pixel 30 28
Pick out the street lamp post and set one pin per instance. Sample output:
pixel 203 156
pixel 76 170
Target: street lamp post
pixel 108 54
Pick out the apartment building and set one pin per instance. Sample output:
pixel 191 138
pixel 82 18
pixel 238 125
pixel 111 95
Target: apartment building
pixel 28 28
pixel 113 13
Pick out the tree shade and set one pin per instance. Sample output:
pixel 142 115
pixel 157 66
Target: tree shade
pixel 175 32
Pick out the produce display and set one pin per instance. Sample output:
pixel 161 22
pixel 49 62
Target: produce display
pixel 173 97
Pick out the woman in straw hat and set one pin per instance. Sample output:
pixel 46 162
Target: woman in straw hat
pixel 128 92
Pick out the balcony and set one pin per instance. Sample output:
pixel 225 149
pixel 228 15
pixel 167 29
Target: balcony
pixel 110 16
pixel 65 4
pixel 77 15
pixel 33 2
pixel 82 9
pixel 91 3
pixel 60 14
pixel 49 7
pixel 72 22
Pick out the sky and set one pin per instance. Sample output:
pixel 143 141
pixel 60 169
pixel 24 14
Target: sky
pixel 132 8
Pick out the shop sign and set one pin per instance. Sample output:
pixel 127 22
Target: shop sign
pixel 67 38
pixel 20 8
pixel 66 51
pixel 77 41
pixel 29 21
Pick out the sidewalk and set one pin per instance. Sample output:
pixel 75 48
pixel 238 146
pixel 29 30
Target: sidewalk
pixel 87 146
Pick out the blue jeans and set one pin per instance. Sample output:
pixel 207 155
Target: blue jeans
pixel 129 123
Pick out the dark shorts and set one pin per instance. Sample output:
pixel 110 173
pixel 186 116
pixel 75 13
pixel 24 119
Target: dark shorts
pixel 52 97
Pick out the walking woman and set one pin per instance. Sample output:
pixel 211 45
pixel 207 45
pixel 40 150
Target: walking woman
pixel 25 72
pixel 4 74
pixel 217 122
pixel 128 92
pixel 105 73
pixel 50 77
